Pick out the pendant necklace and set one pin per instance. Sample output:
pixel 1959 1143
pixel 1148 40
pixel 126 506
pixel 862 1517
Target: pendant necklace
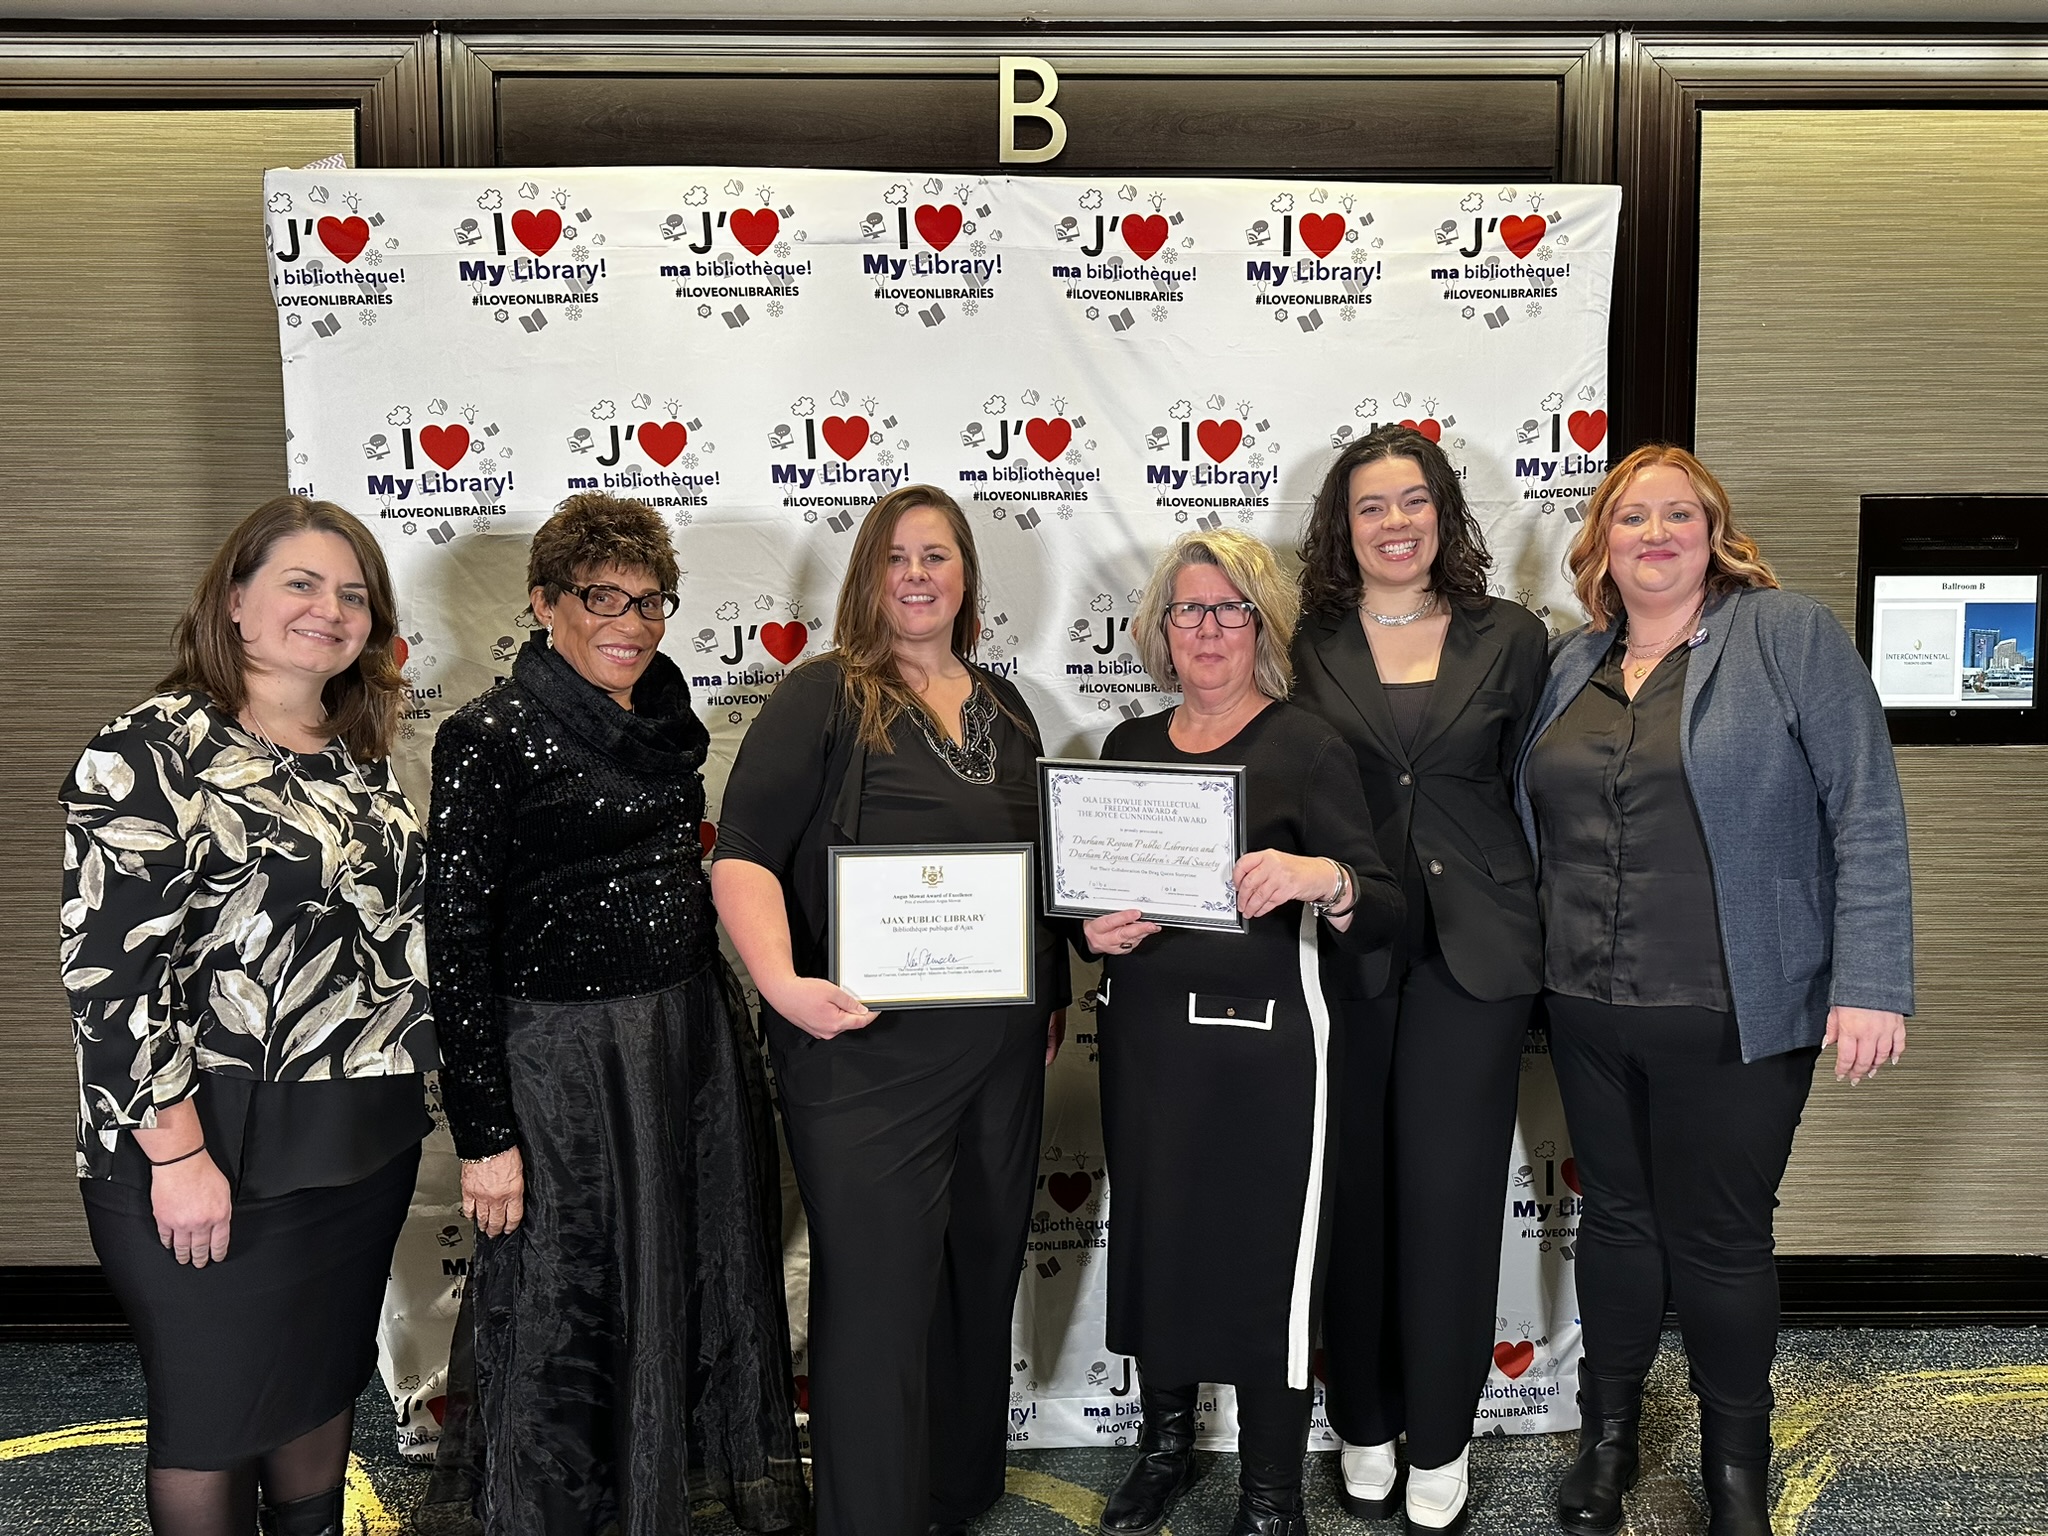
pixel 1392 620
pixel 1646 657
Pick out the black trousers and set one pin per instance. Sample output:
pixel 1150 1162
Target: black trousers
pixel 1425 1123
pixel 915 1143
pixel 1680 1148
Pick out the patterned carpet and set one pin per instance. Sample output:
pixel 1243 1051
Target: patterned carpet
pixel 1877 1432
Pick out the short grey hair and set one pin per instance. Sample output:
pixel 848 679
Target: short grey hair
pixel 1248 565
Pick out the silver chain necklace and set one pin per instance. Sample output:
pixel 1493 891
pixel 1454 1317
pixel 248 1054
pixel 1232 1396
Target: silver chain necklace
pixel 1393 620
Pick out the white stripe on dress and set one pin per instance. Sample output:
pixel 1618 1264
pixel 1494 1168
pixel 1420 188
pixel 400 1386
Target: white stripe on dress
pixel 1299 1308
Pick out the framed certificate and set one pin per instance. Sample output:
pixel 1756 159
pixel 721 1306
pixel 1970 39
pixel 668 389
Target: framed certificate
pixel 1162 837
pixel 933 925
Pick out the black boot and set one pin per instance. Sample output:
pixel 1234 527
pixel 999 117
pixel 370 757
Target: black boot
pixel 1735 1469
pixel 1589 1498
pixel 319 1515
pixel 1268 1495
pixel 1165 1465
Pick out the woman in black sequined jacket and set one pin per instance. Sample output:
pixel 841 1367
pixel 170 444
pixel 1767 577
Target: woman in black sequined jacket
pixel 601 1080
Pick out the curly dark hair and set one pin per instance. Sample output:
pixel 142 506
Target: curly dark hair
pixel 592 530
pixel 1330 583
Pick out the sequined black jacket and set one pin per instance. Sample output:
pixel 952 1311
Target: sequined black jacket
pixel 564 867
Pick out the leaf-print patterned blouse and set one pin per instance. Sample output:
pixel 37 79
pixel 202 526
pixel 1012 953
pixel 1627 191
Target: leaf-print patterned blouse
pixel 234 909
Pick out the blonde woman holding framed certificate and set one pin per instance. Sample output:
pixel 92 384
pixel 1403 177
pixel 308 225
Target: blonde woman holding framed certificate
pixel 913 1129
pixel 1216 1045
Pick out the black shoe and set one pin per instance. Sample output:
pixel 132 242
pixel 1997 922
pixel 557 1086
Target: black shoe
pixel 1589 1498
pixel 1735 1470
pixel 1165 1467
pixel 319 1515
pixel 1268 1496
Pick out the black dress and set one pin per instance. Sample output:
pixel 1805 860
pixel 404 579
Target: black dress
pixel 1216 1102
pixel 242 928
pixel 631 1347
pixel 915 1139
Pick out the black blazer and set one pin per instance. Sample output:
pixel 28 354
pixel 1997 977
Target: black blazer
pixel 1452 799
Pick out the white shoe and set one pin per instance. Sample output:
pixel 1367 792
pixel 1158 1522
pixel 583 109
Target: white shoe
pixel 1436 1495
pixel 1370 1475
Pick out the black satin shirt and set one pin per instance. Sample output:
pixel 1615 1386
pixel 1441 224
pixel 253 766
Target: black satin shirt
pixel 1623 877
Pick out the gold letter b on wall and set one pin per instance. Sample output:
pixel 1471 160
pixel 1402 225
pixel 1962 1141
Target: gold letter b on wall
pixel 1007 70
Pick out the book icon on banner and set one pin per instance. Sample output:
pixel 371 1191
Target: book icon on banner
pixel 737 316
pixel 326 325
pixel 1497 318
pixel 441 532
pixel 839 522
pixel 1122 321
pixel 1209 522
pixel 533 322
pixel 1312 321
pixel 1029 519
pixel 933 316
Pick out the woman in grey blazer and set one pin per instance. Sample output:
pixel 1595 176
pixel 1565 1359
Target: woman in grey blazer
pixel 1721 864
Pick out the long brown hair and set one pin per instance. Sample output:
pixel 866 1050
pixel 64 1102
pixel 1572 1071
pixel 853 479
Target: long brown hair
pixel 863 639
pixel 211 657
pixel 1733 557
pixel 1330 580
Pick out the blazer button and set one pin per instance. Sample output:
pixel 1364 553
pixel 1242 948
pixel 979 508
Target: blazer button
pixel 1407 778
pixel 1230 1013
pixel 1436 866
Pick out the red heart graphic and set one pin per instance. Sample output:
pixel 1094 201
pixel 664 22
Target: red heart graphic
pixel 1048 439
pixel 1513 1359
pixel 939 226
pixel 1068 1190
pixel 345 237
pixel 1219 439
pixel 1320 232
pixel 445 445
pixel 1521 235
pixel 400 650
pixel 1587 428
pixel 1569 1171
pixel 1429 427
pixel 1143 235
pixel 756 229
pixel 438 1407
pixel 785 642
pixel 662 441
pixel 846 435
pixel 803 1393
pixel 538 232
pixel 707 836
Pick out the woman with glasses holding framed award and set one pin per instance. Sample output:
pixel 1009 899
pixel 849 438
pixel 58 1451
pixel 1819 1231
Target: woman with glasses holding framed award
pixel 1216 1090
pixel 914 1130
pixel 601 1079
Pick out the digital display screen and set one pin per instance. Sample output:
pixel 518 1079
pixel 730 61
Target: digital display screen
pixel 1955 642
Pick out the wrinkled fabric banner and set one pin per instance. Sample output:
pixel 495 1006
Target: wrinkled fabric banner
pixel 1090 366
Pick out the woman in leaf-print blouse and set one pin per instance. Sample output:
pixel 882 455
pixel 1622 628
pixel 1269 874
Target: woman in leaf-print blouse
pixel 243 946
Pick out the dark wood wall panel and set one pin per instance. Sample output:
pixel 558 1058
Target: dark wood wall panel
pixel 1356 126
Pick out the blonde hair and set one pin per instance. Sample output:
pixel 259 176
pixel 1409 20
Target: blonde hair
pixel 1248 565
pixel 1733 558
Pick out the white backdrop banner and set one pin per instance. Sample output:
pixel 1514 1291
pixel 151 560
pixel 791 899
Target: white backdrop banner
pixel 1090 366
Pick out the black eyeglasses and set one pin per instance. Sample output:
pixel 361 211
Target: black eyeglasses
pixel 1229 615
pixel 610 602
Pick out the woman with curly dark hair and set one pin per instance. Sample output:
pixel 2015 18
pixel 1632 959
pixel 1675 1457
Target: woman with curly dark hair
pixel 601 1078
pixel 1432 682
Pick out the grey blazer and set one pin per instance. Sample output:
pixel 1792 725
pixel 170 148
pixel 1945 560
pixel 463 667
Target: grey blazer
pixel 1786 753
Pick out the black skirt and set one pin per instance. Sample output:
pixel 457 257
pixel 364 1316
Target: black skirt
pixel 632 1347
pixel 248 1354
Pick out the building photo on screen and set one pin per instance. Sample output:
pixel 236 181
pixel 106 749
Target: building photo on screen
pixel 1955 641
